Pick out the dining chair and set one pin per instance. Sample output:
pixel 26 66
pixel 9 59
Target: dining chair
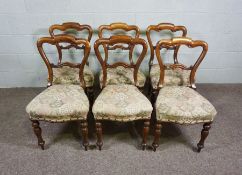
pixel 79 31
pixel 172 76
pixel 121 74
pixel 121 102
pixel 65 99
pixel 177 103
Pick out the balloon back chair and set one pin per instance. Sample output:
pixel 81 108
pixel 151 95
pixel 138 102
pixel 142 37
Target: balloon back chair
pixel 121 74
pixel 64 99
pixel 181 104
pixel 172 76
pixel 79 32
pixel 122 102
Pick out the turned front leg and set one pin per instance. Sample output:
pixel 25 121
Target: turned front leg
pixel 99 135
pixel 204 134
pixel 37 131
pixel 84 131
pixel 145 133
pixel 157 134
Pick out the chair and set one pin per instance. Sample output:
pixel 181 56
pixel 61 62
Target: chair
pixel 121 102
pixel 172 76
pixel 74 29
pixel 181 104
pixel 63 100
pixel 121 74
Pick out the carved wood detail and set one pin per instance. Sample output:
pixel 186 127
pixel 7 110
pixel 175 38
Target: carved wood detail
pixel 119 39
pixel 38 133
pixel 64 39
pixel 204 134
pixel 177 42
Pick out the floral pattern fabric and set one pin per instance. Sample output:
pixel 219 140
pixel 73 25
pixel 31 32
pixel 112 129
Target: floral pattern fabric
pixel 122 75
pixel 176 77
pixel 121 103
pixel 68 75
pixel 59 103
pixel 183 105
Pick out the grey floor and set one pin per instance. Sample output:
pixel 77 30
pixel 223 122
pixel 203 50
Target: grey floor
pixel 19 153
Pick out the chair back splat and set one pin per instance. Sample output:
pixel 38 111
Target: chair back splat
pixel 70 28
pixel 161 27
pixel 177 42
pixel 118 42
pixel 71 42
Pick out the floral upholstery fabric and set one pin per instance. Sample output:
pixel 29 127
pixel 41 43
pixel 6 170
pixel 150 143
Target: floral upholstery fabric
pixel 172 77
pixel 183 105
pixel 122 75
pixel 59 103
pixel 121 103
pixel 68 75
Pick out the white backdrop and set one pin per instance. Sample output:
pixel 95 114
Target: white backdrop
pixel 219 23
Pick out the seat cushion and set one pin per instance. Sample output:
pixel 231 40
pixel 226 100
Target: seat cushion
pixel 122 75
pixel 59 103
pixel 121 103
pixel 68 75
pixel 183 105
pixel 173 77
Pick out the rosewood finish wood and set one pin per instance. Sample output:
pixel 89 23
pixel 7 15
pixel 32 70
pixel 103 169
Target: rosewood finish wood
pixel 113 41
pixel 99 135
pixel 157 134
pixel 118 42
pixel 64 28
pixel 84 130
pixel 145 133
pixel 204 134
pixel 73 42
pixel 177 42
pixel 71 25
pixel 119 26
pixel 38 133
pixel 78 28
pixel 158 28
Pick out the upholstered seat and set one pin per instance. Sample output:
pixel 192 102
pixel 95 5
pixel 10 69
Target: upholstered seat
pixel 183 105
pixel 173 77
pixel 122 75
pixel 59 103
pixel 121 103
pixel 68 75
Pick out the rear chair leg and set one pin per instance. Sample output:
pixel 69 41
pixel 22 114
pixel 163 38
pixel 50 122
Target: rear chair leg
pixel 157 134
pixel 99 135
pixel 145 133
pixel 204 134
pixel 84 131
pixel 37 131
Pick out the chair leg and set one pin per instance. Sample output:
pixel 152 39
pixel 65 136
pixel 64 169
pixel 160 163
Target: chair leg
pixel 37 131
pixel 84 131
pixel 204 134
pixel 157 134
pixel 99 135
pixel 145 133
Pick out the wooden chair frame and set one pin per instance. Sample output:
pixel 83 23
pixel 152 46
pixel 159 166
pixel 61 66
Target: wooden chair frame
pixel 78 27
pixel 72 43
pixel 112 43
pixel 118 26
pixel 158 28
pixel 177 42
